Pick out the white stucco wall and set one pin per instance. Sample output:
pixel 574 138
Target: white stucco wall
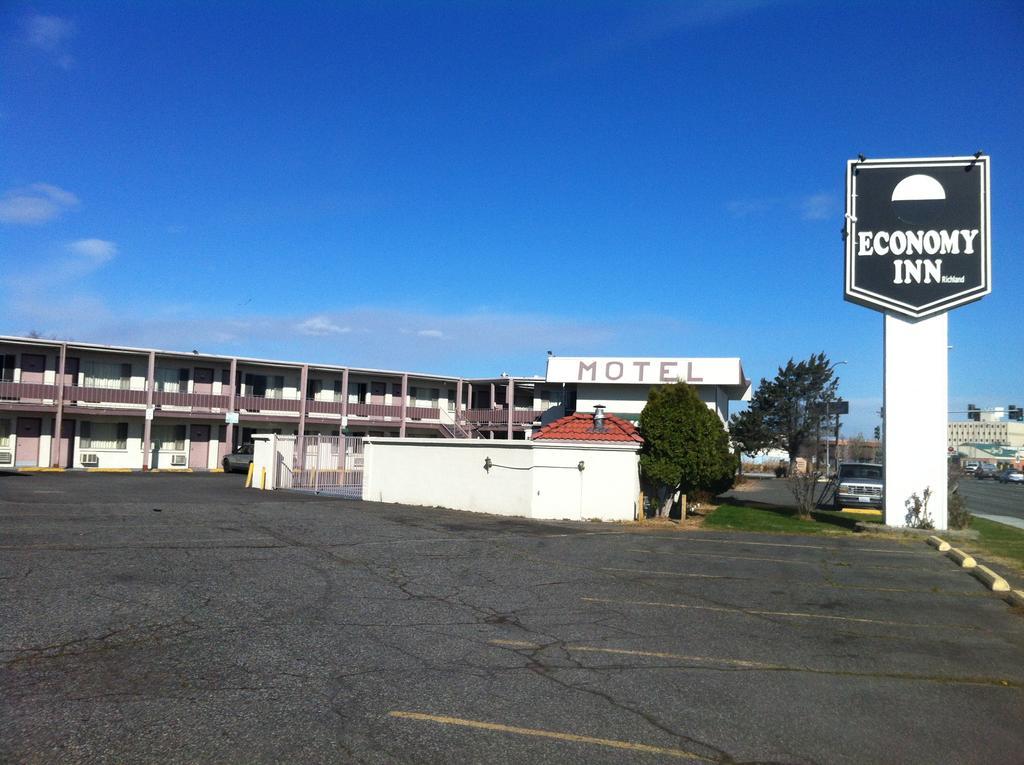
pixel 631 399
pixel 527 478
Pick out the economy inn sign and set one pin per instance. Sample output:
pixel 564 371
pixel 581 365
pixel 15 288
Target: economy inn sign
pixel 917 233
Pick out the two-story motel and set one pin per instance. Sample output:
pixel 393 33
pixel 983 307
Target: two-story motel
pixel 143 408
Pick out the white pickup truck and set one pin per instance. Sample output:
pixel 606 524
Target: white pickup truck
pixel 860 484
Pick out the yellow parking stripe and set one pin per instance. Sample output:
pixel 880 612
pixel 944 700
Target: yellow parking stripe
pixel 727 557
pixel 669 573
pixel 557 735
pixel 817 563
pixel 745 664
pixel 788 614
pixel 741 543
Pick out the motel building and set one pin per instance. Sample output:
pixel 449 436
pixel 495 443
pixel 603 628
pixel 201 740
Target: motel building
pixel 129 408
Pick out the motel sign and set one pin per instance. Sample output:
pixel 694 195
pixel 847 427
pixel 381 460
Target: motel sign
pixel 917 234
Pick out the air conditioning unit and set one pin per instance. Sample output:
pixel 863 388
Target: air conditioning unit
pixel 90 460
pixel 177 460
pixel 5 458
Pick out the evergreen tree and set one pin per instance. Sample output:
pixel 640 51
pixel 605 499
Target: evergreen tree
pixel 686 447
pixel 788 412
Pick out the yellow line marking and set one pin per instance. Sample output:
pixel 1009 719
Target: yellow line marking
pixel 727 557
pixel 668 573
pixel 745 664
pixel 108 470
pixel 761 612
pixel 40 470
pixel 738 543
pixel 816 563
pixel 824 585
pixel 558 736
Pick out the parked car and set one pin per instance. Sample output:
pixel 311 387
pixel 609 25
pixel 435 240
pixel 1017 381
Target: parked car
pixel 1010 475
pixel 985 470
pixel 970 466
pixel 239 460
pixel 859 484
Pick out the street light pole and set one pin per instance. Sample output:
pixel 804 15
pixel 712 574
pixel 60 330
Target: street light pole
pixel 828 459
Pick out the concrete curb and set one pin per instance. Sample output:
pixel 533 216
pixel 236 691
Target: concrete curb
pixel 1016 598
pixel 995 582
pixel 939 544
pixel 965 560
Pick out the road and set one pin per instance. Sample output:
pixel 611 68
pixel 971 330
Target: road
pixel 986 498
pixel 183 619
pixel 991 498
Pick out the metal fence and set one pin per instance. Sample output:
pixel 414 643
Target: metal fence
pixel 327 465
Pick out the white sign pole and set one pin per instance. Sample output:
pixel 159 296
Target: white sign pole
pixel 916 408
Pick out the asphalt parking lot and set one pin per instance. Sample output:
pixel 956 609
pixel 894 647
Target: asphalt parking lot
pixel 181 618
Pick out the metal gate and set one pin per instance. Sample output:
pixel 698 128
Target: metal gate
pixel 328 465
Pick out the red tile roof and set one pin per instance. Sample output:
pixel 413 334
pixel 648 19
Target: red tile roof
pixel 580 427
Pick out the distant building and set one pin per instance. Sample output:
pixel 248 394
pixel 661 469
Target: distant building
pixel 997 455
pixel 1003 433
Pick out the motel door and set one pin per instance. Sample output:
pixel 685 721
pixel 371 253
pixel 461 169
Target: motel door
pixel 71 371
pixel 33 370
pixel 199 448
pixel 26 453
pixel 377 391
pixel 33 367
pixel 202 383
pixel 67 444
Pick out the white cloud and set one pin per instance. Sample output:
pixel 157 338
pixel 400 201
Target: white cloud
pixel 98 250
pixel 35 204
pixel 430 333
pixel 742 208
pixel 320 326
pixel 51 35
pixel 816 207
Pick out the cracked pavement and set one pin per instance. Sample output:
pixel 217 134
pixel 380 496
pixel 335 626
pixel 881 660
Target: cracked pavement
pixel 243 626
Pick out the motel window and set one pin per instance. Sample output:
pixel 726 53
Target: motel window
pixel 104 435
pixel 268 386
pixel 169 438
pixel 169 380
pixel 426 397
pixel 5 432
pixel 102 374
pixel 7 361
pixel 357 393
pixel 396 391
pixel 275 386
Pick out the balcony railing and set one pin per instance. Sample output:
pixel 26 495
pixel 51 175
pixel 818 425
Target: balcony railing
pixel 197 400
pixel 32 391
pixel 266 403
pixel 46 394
pixel 500 416
pixel 375 410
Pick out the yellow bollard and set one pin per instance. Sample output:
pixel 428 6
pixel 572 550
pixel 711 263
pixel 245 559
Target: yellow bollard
pixel 248 478
pixel 263 479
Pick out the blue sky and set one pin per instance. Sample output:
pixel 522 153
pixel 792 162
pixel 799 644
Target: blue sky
pixel 460 187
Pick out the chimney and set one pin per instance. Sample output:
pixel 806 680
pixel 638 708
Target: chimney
pixel 599 418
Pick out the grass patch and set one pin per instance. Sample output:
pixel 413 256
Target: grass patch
pixel 998 541
pixel 778 519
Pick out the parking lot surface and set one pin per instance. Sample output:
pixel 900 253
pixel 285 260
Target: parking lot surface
pixel 181 618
